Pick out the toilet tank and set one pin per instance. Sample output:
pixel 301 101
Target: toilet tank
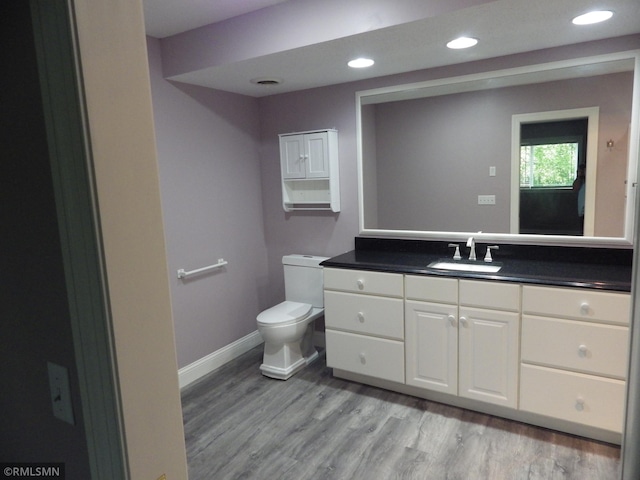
pixel 303 279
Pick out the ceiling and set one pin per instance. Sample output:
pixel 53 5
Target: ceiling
pixel 503 27
pixel 164 18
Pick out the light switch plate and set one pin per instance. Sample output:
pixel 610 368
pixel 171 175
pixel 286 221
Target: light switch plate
pixel 486 199
pixel 60 392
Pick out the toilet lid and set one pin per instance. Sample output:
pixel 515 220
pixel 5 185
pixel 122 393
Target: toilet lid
pixel 285 312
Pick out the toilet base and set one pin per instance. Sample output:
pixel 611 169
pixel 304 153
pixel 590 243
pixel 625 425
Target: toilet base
pixel 280 373
pixel 284 360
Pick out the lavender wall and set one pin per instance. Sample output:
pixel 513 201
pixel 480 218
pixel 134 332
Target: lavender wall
pixel 208 153
pixel 316 233
pixel 220 183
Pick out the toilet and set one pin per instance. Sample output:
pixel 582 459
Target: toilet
pixel 287 328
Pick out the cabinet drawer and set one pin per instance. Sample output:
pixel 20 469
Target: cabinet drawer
pixel 587 347
pixel 431 289
pixel 582 304
pixel 375 357
pixel 493 295
pixel 576 397
pixel 360 281
pixel 381 316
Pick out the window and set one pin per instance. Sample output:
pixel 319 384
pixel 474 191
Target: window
pixel 548 165
pixel 550 153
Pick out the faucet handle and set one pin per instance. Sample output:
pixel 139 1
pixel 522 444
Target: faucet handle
pixel 487 257
pixel 456 255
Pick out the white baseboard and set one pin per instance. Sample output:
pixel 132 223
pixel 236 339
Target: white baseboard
pixel 215 360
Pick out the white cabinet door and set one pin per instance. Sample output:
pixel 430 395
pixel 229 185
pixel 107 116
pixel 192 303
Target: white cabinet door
pixel 305 155
pixel 489 356
pixel 292 156
pixel 316 155
pixel 431 346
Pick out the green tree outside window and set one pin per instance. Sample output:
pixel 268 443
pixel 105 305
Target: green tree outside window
pixel 550 165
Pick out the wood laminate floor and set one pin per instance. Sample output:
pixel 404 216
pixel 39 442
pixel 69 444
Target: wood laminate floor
pixel 242 425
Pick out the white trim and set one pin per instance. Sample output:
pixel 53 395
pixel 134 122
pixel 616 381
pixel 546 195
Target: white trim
pixel 215 360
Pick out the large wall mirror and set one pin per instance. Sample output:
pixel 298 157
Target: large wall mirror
pixel 449 158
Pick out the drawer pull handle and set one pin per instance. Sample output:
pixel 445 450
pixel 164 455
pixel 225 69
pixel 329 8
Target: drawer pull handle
pixel 464 322
pixel 583 350
pixel 360 284
pixel 363 358
pixel 452 320
pixel 579 404
pixel 584 308
pixel 361 317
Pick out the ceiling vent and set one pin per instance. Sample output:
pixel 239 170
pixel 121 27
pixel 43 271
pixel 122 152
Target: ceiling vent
pixel 267 81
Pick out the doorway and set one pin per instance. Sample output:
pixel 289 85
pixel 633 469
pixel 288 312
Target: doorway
pixel 547 148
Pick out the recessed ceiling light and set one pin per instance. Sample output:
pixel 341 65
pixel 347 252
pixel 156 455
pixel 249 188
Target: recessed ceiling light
pixel 593 17
pixel 361 63
pixel 462 42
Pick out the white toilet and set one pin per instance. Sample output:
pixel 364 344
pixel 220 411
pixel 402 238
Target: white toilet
pixel 287 328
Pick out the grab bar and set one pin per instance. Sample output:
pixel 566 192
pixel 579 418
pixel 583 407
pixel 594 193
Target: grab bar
pixel 182 273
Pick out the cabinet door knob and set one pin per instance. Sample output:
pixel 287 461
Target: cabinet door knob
pixel 363 358
pixel 584 308
pixel 452 320
pixel 583 350
pixel 361 317
pixel 360 284
pixel 579 404
pixel 464 322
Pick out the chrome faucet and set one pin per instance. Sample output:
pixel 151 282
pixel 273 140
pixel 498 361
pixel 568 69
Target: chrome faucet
pixel 471 243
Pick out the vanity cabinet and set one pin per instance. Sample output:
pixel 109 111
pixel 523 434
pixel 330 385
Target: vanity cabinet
pixel 364 322
pixel 462 338
pixel 551 356
pixel 310 170
pixel 575 355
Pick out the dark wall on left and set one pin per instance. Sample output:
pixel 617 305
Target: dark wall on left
pixel 34 315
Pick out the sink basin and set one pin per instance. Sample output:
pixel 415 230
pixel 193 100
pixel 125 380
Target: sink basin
pixel 465 267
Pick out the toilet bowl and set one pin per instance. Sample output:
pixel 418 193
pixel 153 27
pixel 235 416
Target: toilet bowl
pixel 287 328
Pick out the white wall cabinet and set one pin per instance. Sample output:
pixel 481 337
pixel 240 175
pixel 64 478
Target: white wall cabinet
pixel 310 171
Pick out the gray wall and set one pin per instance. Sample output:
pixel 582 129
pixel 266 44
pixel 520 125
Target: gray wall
pixel 35 326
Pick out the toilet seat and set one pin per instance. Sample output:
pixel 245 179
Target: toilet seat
pixel 284 313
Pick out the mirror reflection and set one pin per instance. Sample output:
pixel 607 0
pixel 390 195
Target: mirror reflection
pixel 451 156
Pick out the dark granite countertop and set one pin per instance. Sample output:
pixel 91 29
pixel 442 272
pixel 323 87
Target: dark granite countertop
pixel 594 268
